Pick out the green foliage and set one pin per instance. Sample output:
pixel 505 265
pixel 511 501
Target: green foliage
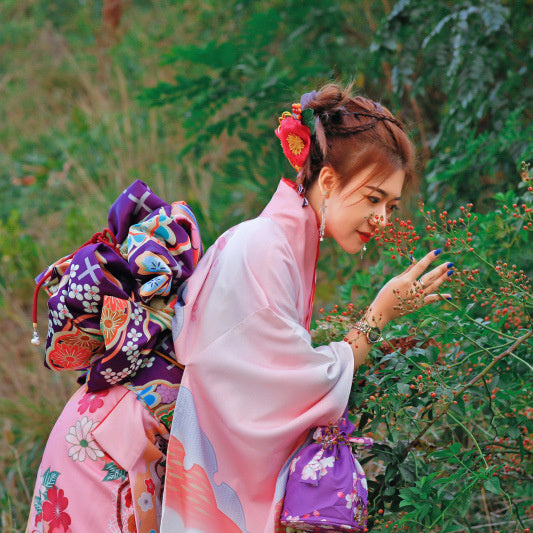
pixel 468 68
pixel 448 395
pixel 19 254
pixel 212 79
pixel 230 92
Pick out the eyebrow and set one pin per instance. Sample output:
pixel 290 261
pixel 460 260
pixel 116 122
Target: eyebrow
pixel 381 191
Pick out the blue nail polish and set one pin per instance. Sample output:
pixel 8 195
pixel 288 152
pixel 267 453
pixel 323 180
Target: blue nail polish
pixel 437 251
pixel 450 272
pixel 449 265
pixel 448 297
pixel 411 259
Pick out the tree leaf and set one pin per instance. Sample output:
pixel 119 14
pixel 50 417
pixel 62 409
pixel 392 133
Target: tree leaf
pixel 493 485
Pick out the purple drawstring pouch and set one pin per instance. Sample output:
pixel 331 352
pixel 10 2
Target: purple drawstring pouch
pixel 326 488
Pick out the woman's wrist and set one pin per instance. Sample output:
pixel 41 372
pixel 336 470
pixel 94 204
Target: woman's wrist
pixel 375 317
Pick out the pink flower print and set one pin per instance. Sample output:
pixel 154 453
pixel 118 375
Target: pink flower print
pixel 91 401
pixel 53 510
pixel 150 487
pixel 293 464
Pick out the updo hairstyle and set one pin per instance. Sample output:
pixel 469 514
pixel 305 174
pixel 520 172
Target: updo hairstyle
pixel 352 134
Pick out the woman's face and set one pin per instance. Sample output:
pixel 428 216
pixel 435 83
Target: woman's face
pixel 354 213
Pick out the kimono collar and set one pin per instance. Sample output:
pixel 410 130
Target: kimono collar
pixel 300 224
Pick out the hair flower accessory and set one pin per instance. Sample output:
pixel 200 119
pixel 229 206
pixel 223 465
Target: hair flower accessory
pixel 294 132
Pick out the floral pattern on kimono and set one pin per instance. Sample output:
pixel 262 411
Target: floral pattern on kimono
pixel 103 467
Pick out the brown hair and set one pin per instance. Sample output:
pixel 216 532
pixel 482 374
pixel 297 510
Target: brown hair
pixel 353 133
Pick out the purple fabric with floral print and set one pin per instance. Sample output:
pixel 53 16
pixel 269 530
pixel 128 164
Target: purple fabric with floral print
pixel 111 306
pixel 326 488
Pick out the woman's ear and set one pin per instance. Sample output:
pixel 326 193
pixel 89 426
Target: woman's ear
pixel 328 180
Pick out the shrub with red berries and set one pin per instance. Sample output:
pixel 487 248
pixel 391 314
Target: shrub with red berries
pixel 447 396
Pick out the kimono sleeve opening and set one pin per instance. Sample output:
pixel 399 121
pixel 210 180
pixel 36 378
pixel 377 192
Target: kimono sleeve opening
pixel 269 376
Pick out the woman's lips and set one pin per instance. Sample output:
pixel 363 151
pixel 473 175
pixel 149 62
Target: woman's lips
pixel 365 237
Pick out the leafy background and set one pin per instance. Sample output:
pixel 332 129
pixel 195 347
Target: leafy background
pixel 185 95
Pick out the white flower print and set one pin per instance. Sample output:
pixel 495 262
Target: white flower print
pixel 110 376
pixel 130 347
pixel 137 316
pixel 134 335
pixel 53 289
pixel 63 311
pixel 91 292
pixel 145 501
pixel 125 372
pixel 350 498
pixel 81 441
pixel 133 357
pixel 134 366
pixel 312 467
pixel 90 307
pixel 56 318
pixel 76 291
pixel 73 270
pixel 325 463
pixel 149 362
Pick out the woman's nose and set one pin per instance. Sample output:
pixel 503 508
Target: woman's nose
pixel 378 218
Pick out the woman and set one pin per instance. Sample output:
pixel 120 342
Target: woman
pixel 253 384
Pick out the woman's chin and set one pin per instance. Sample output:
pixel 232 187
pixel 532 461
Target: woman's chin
pixel 350 247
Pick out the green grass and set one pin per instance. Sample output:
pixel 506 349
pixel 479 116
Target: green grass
pixel 73 135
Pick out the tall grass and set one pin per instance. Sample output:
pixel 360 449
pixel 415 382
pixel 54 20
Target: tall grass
pixel 72 136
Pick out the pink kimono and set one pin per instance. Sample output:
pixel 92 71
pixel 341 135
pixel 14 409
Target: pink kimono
pixel 253 386
pixel 102 468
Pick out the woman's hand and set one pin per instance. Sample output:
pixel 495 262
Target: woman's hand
pixel 409 291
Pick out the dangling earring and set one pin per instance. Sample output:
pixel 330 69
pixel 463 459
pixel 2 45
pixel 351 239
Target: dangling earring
pixel 363 250
pixel 322 217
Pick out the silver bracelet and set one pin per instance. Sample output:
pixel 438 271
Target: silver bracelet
pixel 373 333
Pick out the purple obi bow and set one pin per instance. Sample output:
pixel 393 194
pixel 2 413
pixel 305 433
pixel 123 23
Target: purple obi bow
pixel 111 302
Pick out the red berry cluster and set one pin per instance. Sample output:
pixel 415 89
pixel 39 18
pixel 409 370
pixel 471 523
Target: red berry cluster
pixel 399 236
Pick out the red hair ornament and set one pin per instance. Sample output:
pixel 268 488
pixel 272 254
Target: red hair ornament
pixel 295 135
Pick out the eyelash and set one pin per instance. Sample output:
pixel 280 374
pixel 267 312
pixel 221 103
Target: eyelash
pixel 376 200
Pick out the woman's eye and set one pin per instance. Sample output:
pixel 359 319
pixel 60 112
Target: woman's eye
pixel 394 207
pixel 373 199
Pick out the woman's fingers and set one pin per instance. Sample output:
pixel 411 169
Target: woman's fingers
pixel 432 298
pixel 413 288
pixel 417 269
pixel 432 280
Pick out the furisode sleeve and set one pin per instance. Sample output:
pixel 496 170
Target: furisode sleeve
pixel 253 384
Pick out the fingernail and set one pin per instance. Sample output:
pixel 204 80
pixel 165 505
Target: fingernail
pixel 449 265
pixel 437 251
pixel 450 272
pixel 411 259
pixel 448 297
